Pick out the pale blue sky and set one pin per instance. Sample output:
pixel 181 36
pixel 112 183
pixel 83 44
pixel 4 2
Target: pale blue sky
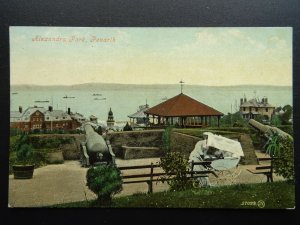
pixel 203 56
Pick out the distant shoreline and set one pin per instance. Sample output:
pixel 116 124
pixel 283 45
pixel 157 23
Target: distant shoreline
pixel 88 85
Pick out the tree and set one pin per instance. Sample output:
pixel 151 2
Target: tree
pixel 127 127
pixel 166 138
pixel 286 115
pixel 234 119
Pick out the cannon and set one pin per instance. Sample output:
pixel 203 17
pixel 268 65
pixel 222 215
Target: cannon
pixel 267 130
pixel 95 150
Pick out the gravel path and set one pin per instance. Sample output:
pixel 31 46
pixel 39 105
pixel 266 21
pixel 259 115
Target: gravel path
pixel 62 183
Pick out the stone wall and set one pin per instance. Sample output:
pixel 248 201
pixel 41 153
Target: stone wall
pixel 183 143
pixel 70 151
pixel 146 138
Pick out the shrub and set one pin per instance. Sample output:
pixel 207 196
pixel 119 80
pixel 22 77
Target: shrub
pixel 105 181
pixel 283 149
pixel 176 168
pixel 287 128
pixel 24 154
pixel 275 120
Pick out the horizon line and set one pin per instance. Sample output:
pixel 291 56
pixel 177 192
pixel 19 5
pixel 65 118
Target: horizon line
pixel 69 85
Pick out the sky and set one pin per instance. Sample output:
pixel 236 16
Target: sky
pixel 198 56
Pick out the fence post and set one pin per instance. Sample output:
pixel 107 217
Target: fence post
pixel 150 186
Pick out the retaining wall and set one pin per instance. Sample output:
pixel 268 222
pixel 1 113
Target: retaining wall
pixel 146 138
pixel 183 143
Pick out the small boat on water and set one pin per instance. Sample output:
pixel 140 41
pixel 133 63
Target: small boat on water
pixel 97 94
pixel 68 97
pixel 14 93
pixel 41 101
pixel 99 98
pixel 164 98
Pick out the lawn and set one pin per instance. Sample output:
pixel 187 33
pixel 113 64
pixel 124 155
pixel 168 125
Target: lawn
pixel 197 132
pixel 255 196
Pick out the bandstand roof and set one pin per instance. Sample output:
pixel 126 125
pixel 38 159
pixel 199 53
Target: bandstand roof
pixel 182 105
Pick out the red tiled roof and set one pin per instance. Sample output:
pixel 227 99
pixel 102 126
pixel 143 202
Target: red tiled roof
pixel 182 105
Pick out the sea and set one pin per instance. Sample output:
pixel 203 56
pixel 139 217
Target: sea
pixel 125 99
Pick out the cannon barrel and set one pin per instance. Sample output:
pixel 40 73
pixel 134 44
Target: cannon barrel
pixel 95 150
pixel 268 130
pixel 94 141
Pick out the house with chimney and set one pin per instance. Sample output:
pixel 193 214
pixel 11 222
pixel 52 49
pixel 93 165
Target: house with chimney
pixel 254 107
pixel 40 118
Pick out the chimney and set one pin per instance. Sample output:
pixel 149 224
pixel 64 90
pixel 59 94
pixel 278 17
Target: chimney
pixel 69 111
pixel 241 101
pixel 245 100
pixel 20 109
pixel 266 100
pixel 50 108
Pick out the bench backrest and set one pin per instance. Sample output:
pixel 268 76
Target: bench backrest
pixel 271 159
pixel 151 173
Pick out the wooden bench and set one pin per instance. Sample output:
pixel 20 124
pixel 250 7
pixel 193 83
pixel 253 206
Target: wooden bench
pixel 266 170
pixel 152 176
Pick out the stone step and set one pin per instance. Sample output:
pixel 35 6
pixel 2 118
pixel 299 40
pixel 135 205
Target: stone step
pixel 249 151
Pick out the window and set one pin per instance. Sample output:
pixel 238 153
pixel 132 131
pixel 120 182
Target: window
pixel 256 109
pixel 244 108
pixel 267 109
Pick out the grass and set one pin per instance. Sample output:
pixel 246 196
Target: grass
pixel 273 195
pixel 198 132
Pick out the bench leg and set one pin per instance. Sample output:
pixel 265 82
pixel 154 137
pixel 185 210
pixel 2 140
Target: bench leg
pixel 269 178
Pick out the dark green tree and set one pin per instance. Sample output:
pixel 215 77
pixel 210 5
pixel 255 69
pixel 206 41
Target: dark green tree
pixel 166 139
pixel 127 127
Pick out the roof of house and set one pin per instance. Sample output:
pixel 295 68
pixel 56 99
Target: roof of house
pixel 256 103
pixel 182 105
pixel 54 115
pixel 15 116
pixel 140 113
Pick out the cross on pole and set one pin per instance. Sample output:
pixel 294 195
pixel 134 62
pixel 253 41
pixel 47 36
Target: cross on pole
pixel 181 85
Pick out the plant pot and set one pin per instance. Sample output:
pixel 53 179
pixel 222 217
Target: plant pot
pixel 23 171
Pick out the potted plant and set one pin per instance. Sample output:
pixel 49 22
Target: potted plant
pixel 23 168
